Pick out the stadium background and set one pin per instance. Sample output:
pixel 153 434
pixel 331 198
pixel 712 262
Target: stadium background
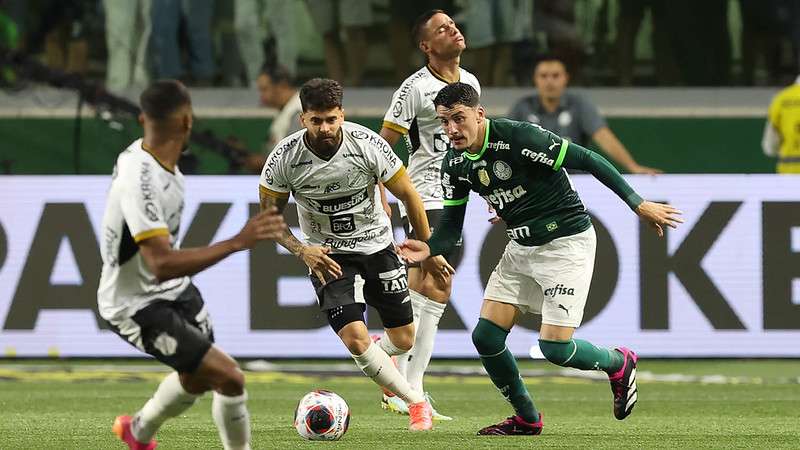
pixel 711 305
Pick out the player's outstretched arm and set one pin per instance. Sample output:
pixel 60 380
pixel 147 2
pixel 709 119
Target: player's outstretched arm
pixel 167 263
pixel 315 257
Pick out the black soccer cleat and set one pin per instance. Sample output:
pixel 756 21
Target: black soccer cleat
pixel 623 384
pixel 513 426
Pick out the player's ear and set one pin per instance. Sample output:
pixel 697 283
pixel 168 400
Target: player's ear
pixel 481 112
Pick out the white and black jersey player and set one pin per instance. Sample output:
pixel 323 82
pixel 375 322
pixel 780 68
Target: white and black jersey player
pixel 411 115
pixel 332 168
pixel 145 292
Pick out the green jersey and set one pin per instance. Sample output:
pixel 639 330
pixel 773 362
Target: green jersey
pixel 520 172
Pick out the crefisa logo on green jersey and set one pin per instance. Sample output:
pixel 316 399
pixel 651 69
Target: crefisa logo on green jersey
pixel 499 198
pixel 538 157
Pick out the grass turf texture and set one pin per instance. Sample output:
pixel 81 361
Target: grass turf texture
pixel 73 409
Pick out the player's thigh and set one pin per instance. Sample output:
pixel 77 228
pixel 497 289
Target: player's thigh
pixel 563 268
pixel 510 282
pixel 386 289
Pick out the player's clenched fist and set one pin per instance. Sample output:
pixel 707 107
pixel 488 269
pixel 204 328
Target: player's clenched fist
pixel 267 224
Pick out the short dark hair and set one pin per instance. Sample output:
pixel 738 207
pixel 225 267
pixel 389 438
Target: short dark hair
pixel 549 57
pixel 419 25
pixel 457 94
pixel 321 94
pixel 164 97
pixel 277 73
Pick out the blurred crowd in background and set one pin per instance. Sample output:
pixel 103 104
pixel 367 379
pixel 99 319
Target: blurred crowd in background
pixel 225 43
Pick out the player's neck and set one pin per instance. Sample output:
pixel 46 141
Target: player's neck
pixel 550 104
pixel 165 151
pixel 477 146
pixel 446 69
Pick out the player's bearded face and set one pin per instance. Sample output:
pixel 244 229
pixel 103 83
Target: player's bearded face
pixel 461 124
pixel 324 129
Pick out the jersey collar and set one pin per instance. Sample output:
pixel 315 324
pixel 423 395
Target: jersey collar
pixel 477 156
pixel 439 76
pixel 160 163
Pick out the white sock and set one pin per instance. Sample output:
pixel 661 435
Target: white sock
pixel 169 400
pixel 388 346
pixel 377 365
pixel 233 420
pixel 420 354
pixel 417 304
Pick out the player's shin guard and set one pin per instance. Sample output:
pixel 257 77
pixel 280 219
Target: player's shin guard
pixel 233 420
pixel 377 365
pixel 581 354
pixel 420 355
pixel 490 341
pixel 169 400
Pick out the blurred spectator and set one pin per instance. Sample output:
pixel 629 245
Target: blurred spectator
pixel 354 17
pixel 251 16
pixel 276 89
pixel 629 20
pixel 166 18
pixel 492 29
pixel 128 28
pixel 62 28
pixel 570 115
pixel 557 19
pixel 9 40
pixel 782 131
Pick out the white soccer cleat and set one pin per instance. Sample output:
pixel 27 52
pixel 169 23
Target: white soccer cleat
pixel 394 404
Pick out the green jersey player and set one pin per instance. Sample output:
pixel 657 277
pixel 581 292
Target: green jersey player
pixel 547 266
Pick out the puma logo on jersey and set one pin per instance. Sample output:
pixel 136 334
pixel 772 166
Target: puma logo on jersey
pixel 553 145
pixel 500 198
pixel 540 157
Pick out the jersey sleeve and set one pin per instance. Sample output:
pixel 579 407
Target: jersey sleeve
pixel 140 202
pixel 403 109
pixel 386 165
pixel 538 146
pixel 774 113
pixel 273 180
pixel 455 191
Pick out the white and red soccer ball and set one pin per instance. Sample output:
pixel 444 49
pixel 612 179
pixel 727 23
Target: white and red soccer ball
pixel 322 416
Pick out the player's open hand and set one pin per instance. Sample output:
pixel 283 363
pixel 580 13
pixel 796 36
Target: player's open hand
pixel 322 265
pixel 267 224
pixel 438 267
pixel 644 170
pixel 413 251
pixel 658 215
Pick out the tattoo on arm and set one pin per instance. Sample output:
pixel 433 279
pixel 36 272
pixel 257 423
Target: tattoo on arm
pixel 288 241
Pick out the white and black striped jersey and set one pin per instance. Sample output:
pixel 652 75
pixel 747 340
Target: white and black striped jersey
pixel 338 203
pixel 145 200
pixel 412 113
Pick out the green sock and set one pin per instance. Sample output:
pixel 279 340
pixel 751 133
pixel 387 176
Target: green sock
pixel 490 341
pixel 582 355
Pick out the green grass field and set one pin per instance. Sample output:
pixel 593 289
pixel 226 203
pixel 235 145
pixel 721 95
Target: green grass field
pixel 70 405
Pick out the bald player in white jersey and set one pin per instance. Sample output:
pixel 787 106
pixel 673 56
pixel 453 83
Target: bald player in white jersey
pixel 412 115
pixel 145 292
pixel 332 168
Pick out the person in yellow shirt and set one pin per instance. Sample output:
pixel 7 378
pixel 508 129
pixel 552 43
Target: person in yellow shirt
pixel 782 131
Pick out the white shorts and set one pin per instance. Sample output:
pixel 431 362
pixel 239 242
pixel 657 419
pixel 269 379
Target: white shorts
pixel 551 279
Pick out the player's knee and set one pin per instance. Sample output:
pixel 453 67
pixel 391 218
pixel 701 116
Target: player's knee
pixel 357 345
pixel 194 384
pixel 403 342
pixel 557 352
pixel 489 338
pixel 231 382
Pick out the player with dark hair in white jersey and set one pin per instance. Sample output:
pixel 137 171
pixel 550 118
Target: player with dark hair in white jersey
pixel 332 168
pixel 145 292
pixel 412 115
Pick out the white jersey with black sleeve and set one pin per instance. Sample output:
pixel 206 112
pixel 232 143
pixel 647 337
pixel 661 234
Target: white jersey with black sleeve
pixel 338 203
pixel 145 200
pixel 412 113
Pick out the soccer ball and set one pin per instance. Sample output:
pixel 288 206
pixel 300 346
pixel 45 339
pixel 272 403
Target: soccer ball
pixel 322 416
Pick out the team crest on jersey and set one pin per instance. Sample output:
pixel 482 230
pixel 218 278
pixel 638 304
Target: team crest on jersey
pixel 483 176
pixel 502 170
